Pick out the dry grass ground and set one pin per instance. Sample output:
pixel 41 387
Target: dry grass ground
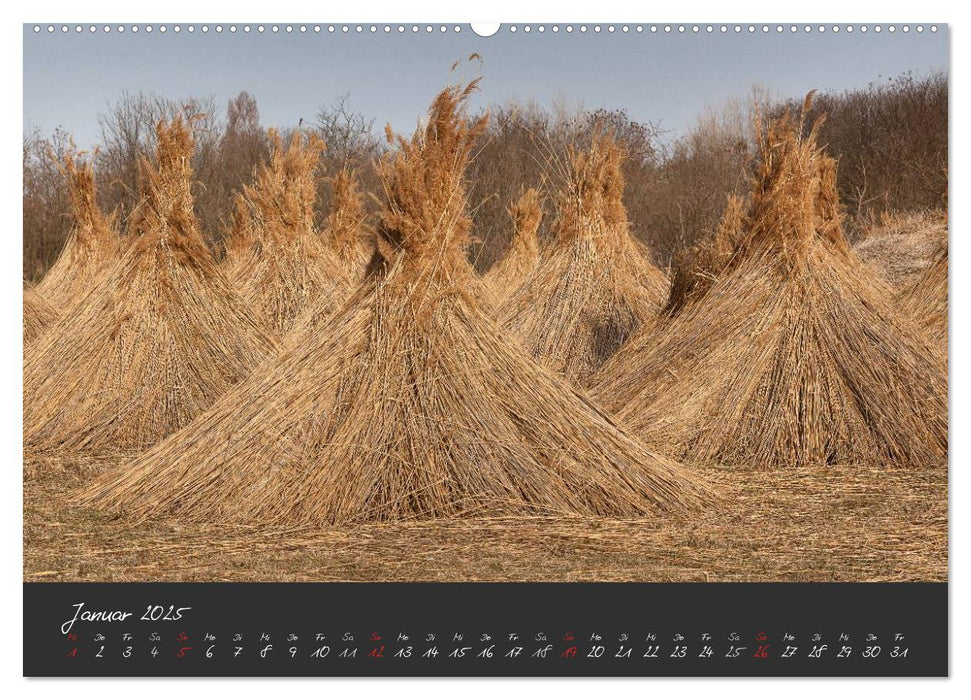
pixel 836 524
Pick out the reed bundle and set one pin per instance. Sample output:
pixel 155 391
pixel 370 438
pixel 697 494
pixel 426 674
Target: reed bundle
pixel 795 355
pixel 595 285
pixel 278 261
pixel 925 301
pixel 901 245
pixel 239 240
pixel 698 268
pixel 39 314
pixel 346 227
pixel 91 247
pixel 408 403
pixel 522 256
pixel 158 338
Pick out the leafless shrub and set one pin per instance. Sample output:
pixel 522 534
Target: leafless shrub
pixel 46 202
pixel 891 143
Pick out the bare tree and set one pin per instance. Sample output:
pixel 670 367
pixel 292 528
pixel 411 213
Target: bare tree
pixel 890 139
pixel 891 142
pixel 128 134
pixel 46 201
pixel 350 143
pixel 226 162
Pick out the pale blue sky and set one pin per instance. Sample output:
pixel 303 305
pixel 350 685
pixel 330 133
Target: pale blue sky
pixel 70 78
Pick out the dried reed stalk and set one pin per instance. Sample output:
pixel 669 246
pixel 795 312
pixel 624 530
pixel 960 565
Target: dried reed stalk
pixel 795 355
pixel 155 342
pixel 279 263
pixel 346 227
pixel 39 314
pixel 698 268
pixel 901 246
pixel 92 245
pixel 595 284
pixel 239 240
pixel 408 403
pixel 925 301
pixel 522 256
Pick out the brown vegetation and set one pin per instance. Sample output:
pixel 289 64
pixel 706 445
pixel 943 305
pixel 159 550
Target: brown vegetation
pixel 595 285
pixel 890 140
pixel 405 404
pixel 522 255
pixel 925 300
pixel 345 228
pixel 796 356
pixel 816 524
pixel 399 432
pixel 277 259
pixel 155 342
pixel 91 246
pixel 38 314
pixel 696 269
pixel 900 246
pixel 240 239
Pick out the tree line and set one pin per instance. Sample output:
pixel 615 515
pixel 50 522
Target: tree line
pixel 890 139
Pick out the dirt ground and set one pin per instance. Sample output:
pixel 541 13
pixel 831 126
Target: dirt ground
pixel 834 524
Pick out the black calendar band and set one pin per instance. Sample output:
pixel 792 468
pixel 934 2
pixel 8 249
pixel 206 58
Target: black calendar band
pixel 485 629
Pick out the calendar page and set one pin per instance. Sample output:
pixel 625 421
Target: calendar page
pixel 485 350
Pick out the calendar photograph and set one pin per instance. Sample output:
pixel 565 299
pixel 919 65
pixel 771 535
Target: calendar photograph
pixel 368 305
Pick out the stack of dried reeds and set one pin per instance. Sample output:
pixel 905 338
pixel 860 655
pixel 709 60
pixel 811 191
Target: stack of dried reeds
pixel 346 228
pixel 91 246
pixel 39 314
pixel 925 301
pixel 239 241
pixel 698 268
pixel 522 256
pixel 277 260
pixel 595 285
pixel 795 355
pixel 155 342
pixel 408 402
pixel 901 246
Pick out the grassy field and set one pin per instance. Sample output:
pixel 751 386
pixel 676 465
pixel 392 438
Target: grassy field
pixel 836 524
